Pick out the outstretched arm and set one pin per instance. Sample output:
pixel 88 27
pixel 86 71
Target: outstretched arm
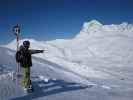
pixel 36 51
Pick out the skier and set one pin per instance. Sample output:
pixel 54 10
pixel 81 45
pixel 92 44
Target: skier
pixel 23 56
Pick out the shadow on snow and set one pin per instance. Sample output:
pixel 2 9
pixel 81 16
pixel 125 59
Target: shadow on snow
pixel 52 87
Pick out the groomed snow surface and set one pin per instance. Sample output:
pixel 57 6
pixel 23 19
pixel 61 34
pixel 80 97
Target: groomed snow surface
pixel 94 65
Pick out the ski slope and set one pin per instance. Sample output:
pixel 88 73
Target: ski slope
pixel 94 65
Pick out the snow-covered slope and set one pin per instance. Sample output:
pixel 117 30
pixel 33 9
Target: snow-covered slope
pixel 99 56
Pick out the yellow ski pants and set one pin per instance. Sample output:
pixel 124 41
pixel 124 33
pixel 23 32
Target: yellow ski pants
pixel 26 76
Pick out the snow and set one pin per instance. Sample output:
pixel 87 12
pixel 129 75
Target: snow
pixel 95 65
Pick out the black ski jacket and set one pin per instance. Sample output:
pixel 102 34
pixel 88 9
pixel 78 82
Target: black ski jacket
pixel 26 57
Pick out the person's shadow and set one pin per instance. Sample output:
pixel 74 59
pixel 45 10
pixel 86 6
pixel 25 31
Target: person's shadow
pixel 42 88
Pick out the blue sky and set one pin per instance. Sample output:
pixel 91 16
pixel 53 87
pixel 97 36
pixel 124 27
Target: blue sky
pixel 52 19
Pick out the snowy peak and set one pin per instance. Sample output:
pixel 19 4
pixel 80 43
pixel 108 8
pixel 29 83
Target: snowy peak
pixel 88 28
pixel 95 28
pixel 92 23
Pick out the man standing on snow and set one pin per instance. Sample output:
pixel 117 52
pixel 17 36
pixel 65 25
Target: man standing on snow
pixel 23 56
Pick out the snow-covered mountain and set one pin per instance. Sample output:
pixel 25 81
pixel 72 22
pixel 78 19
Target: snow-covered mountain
pixel 94 40
pixel 100 55
pixel 95 43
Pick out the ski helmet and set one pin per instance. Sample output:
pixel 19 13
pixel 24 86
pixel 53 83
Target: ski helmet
pixel 26 43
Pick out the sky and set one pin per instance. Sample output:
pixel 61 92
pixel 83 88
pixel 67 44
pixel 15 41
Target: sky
pixel 54 19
